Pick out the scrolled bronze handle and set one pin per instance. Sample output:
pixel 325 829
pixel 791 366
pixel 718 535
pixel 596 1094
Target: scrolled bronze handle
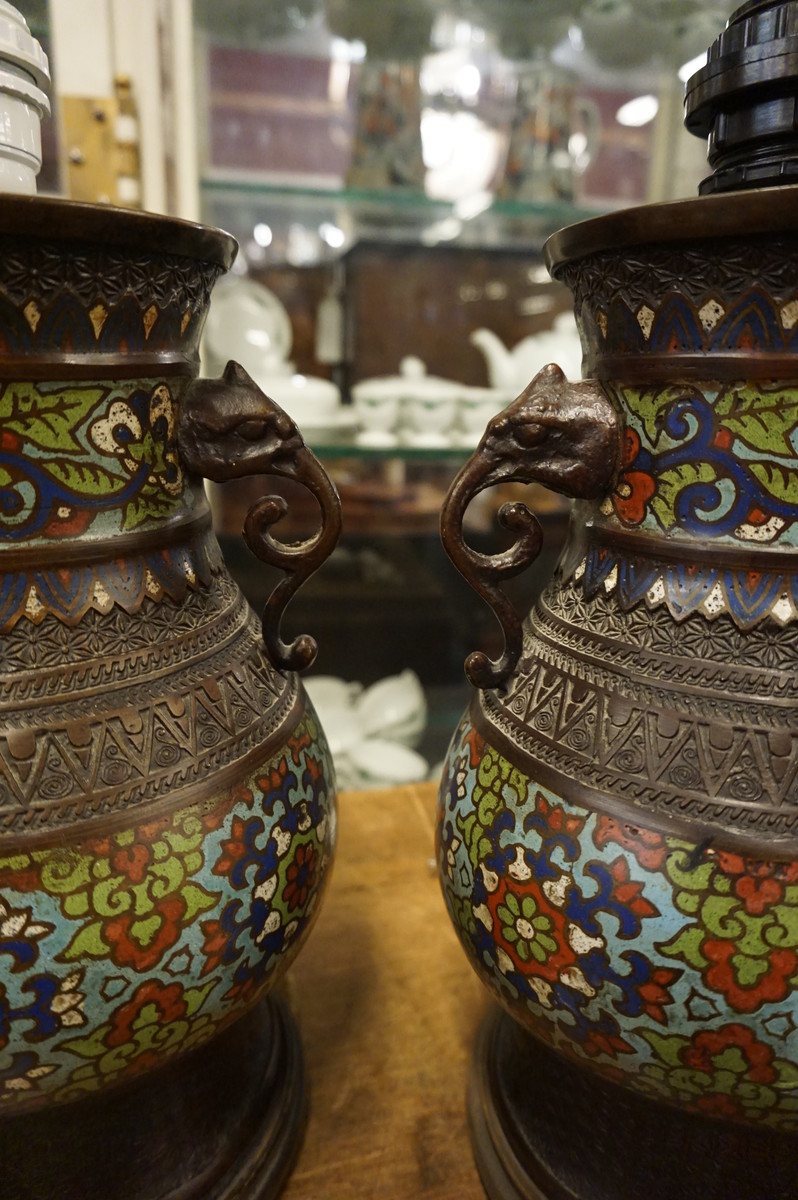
pixel 563 435
pixel 229 428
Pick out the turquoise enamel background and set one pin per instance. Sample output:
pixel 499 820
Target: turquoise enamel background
pixel 665 967
pixel 121 950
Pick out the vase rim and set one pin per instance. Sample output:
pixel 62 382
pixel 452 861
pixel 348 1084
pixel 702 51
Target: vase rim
pixel 746 213
pixel 54 219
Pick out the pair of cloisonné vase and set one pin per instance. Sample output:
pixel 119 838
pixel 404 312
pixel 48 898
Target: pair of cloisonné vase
pixel 617 820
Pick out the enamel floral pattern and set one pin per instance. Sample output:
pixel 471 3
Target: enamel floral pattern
pixel 666 967
pixel 132 946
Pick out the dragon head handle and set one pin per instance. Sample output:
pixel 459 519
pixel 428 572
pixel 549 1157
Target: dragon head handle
pixel 561 434
pixel 229 428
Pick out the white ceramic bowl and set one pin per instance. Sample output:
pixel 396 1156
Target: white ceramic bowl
pixel 377 412
pixel 331 690
pixel 396 702
pixel 247 323
pixel 333 699
pixel 309 399
pixel 342 729
pixel 430 414
pixel 478 405
pixel 381 763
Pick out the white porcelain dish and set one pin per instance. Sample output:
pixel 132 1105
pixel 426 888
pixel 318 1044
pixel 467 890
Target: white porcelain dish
pixel 392 702
pixel 381 763
pixel 247 322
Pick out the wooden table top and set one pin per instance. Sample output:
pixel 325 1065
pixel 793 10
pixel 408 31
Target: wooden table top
pixel 388 1008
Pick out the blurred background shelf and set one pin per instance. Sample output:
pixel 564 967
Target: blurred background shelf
pixel 240 204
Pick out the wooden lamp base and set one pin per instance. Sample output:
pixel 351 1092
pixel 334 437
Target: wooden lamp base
pixel 224 1122
pixel 545 1129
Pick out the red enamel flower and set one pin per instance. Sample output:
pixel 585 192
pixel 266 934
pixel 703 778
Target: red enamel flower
pixel 772 985
pixel 166 1000
pixel 718 1105
pixel 132 861
pixel 551 966
pixel 656 993
pixel 299 742
pixel 233 849
pixel 758 884
pixel 476 747
pixel 649 848
pixel 708 1045
pixel 126 951
pixel 610 1044
pixel 628 892
pixel 635 488
pixel 300 876
pixel 274 780
pixel 215 939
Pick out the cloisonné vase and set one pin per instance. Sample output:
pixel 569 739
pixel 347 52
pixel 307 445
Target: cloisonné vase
pixel 166 795
pixel 617 833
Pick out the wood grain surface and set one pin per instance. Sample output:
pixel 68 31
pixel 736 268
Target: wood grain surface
pixel 388 1009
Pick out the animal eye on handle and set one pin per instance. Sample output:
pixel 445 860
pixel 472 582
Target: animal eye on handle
pixel 252 431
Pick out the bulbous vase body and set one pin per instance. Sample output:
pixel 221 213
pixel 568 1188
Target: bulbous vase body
pixel 166 794
pixel 618 819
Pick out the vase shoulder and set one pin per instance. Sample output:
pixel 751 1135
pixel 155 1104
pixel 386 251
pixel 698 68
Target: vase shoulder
pixel 143 709
pixel 685 725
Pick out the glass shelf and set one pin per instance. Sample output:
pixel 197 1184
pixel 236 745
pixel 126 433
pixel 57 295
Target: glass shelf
pixel 241 203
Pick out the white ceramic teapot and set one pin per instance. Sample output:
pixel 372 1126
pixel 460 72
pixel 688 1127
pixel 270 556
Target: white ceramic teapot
pixel 511 370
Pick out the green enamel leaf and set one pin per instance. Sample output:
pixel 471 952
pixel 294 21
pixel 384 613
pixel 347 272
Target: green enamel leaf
pixel 14 862
pixel 488 771
pixel 688 902
pixel 85 478
pixel 777 481
pixel 474 840
pixel 180 843
pixel 110 898
pixel 671 483
pixel 195 997
pixel 47 420
pixel 687 947
pixel 719 917
pixel 145 930
pixel 193 862
pixel 90 1046
pixel 76 904
pixel 764 420
pixel 785 930
pixel 684 875
pixel 650 406
pixel 749 970
pixel 146 506
pixel 666 1048
pixel 87 941
pixel 197 901
pixel 462 915
pixel 755 940
pixel 487 807
pixel 515 789
pixel 166 877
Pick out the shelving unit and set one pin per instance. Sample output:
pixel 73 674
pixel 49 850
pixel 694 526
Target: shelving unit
pixel 395 215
